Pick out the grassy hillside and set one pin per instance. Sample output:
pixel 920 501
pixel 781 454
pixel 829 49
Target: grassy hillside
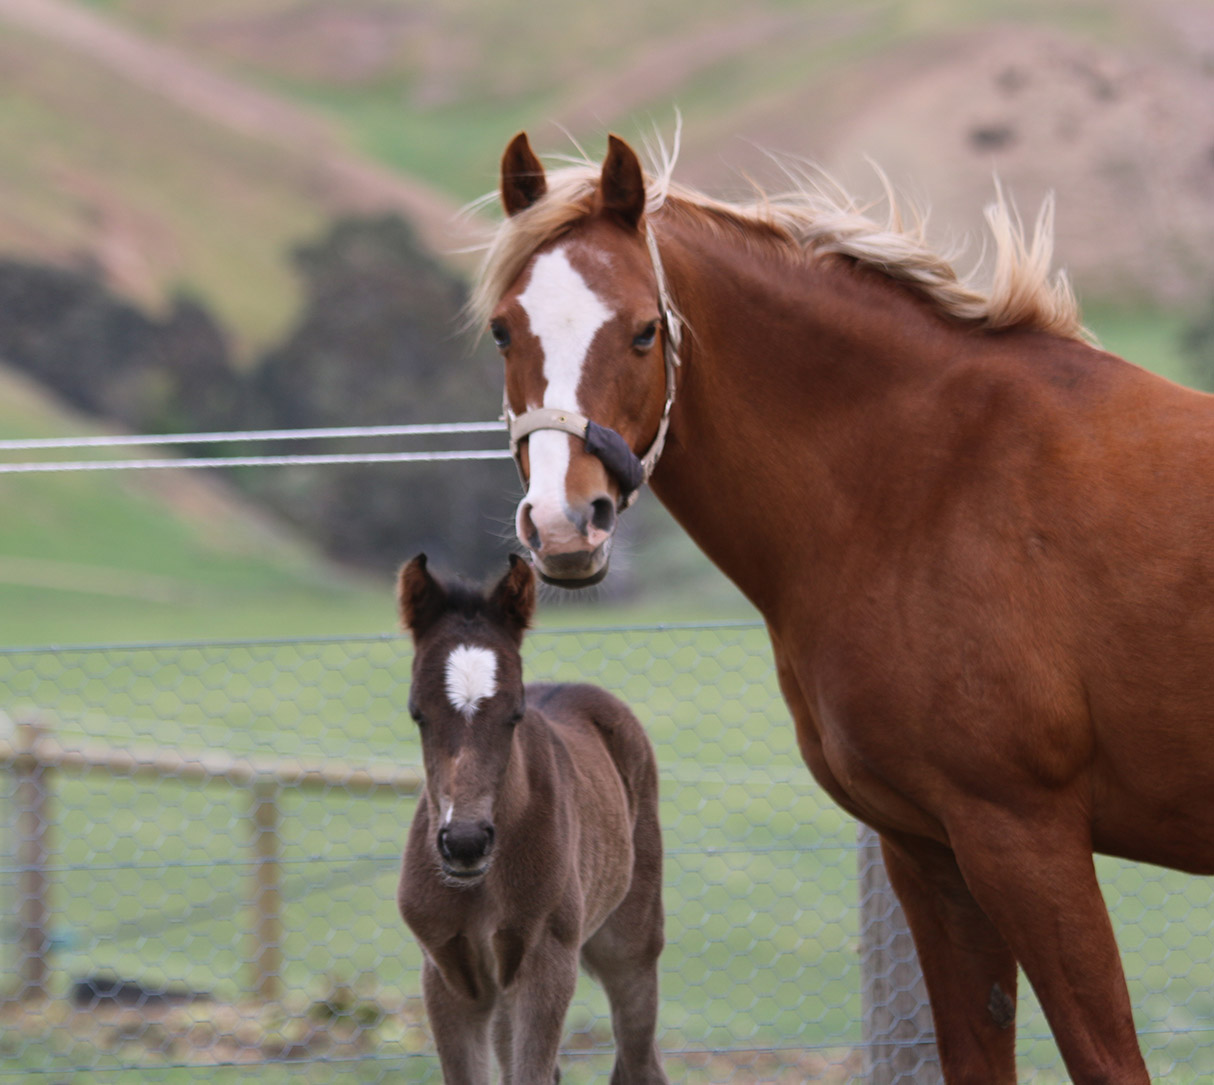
pixel 138 556
pixel 98 171
pixel 90 557
pixel 166 191
pixel 434 89
pixel 96 167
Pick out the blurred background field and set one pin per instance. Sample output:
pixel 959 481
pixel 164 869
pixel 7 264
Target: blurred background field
pixel 244 214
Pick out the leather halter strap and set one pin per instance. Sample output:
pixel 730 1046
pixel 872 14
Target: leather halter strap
pixel 630 470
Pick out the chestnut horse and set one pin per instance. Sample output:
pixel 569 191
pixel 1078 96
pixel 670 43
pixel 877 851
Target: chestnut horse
pixel 983 548
pixel 536 839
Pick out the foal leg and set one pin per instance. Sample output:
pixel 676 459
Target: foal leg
pixel 623 956
pixel 969 970
pixel 538 1000
pixel 461 1030
pixel 1036 880
pixel 629 975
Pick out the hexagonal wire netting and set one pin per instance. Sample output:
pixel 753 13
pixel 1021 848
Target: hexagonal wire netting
pixel 202 845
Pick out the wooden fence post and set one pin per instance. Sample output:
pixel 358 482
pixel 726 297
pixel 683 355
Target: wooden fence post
pixel 899 1039
pixel 31 801
pixel 266 951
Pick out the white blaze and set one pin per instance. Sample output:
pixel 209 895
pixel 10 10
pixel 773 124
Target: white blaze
pixel 565 315
pixel 471 678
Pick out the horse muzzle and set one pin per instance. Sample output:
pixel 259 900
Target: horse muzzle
pixel 465 850
pixel 570 547
pixel 572 571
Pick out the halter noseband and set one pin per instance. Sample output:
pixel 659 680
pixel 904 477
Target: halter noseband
pixel 630 470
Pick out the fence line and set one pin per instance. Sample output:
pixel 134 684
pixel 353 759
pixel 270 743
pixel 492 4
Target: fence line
pixel 33 754
pixel 427 429
pixel 423 429
pixel 254 461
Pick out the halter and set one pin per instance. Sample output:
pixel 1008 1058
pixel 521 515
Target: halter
pixel 630 471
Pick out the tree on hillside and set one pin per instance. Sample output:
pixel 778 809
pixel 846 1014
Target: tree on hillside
pixel 68 331
pixel 379 342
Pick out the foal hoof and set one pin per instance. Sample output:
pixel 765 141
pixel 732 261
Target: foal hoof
pixel 556 1075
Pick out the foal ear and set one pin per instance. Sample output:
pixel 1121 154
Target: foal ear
pixel 514 595
pixel 421 597
pixel 622 184
pixel 523 180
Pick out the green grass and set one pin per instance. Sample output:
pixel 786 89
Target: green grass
pixel 102 556
pixel 152 881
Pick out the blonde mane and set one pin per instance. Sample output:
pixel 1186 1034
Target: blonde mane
pixel 816 217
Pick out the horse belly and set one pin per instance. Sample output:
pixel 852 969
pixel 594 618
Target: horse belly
pixel 1153 801
pixel 605 866
pixel 1151 692
pixel 605 854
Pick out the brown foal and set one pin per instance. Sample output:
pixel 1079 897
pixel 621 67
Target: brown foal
pixel 536 841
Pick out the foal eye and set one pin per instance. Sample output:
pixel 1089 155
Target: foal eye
pixel 645 339
pixel 418 718
pixel 500 333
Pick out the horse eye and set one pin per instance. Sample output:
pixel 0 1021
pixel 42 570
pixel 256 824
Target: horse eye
pixel 645 340
pixel 500 333
pixel 418 718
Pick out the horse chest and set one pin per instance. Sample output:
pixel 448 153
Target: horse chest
pixel 856 753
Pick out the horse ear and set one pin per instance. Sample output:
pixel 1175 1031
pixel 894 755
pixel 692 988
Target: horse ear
pixel 523 180
pixel 622 183
pixel 514 595
pixel 421 597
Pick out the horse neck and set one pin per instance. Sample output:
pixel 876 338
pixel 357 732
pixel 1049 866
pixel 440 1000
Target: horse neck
pixel 793 371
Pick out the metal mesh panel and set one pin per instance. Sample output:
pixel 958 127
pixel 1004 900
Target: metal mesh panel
pixel 201 848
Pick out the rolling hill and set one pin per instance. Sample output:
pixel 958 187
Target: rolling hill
pixel 186 149
pixel 1105 104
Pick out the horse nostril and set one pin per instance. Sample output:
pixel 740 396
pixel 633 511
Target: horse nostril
pixel 602 513
pixel 465 842
pixel 527 529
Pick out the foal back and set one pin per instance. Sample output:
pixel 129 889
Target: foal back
pixel 607 771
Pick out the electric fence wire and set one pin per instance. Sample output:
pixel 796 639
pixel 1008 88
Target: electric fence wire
pixel 231 436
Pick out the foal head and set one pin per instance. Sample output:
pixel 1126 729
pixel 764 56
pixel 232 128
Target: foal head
pixel 581 328
pixel 466 697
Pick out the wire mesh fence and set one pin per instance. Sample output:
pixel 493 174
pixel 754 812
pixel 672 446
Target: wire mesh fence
pixel 202 845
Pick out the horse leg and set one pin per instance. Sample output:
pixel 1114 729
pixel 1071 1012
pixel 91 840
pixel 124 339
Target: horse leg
pixel 503 1042
pixel 461 1030
pixel 969 970
pixel 1035 878
pixel 623 957
pixel 538 1000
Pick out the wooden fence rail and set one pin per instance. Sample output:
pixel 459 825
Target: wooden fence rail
pixel 898 1035
pixel 34 754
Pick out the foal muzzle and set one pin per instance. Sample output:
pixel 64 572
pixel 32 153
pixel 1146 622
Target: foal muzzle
pixel 465 847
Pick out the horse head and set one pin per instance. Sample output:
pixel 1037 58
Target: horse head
pixel 466 698
pixel 585 334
